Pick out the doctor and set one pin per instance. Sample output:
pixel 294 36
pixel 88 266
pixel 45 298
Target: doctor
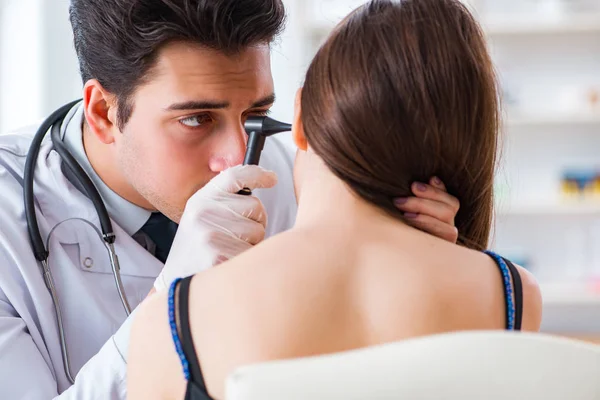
pixel 167 86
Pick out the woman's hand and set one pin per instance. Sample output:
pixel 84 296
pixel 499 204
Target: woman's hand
pixel 432 210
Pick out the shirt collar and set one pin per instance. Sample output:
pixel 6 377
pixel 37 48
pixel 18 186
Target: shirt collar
pixel 127 215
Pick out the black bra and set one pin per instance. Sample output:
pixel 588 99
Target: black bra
pixel 179 311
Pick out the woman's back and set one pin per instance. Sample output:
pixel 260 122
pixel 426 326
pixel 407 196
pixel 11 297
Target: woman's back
pixel 337 282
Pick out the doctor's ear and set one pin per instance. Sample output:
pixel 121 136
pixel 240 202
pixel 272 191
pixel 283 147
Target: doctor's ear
pixel 100 108
pixel 297 127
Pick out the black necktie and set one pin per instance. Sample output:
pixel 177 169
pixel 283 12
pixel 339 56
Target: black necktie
pixel 162 232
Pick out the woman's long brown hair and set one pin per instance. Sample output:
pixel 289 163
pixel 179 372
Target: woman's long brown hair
pixel 403 91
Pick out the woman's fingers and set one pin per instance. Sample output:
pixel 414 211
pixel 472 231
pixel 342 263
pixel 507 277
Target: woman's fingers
pixel 432 210
pixel 433 226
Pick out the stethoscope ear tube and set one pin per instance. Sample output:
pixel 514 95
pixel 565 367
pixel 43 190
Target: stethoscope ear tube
pixel 39 250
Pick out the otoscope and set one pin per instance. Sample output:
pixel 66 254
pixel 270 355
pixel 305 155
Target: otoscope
pixel 258 129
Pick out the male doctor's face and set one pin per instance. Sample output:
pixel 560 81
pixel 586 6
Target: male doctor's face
pixel 187 121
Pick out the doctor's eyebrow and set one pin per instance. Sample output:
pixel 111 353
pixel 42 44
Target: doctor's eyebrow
pixel 265 101
pixel 217 105
pixel 198 105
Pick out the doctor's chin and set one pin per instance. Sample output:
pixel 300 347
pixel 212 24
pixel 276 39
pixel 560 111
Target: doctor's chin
pixel 298 199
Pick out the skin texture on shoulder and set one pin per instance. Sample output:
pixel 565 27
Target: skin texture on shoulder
pixel 154 369
pixel 244 302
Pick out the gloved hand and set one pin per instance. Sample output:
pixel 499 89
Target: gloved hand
pixel 217 223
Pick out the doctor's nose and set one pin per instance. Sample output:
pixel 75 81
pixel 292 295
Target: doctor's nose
pixel 229 149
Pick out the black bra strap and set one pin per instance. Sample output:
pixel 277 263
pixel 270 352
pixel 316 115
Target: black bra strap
pixel 187 342
pixel 518 293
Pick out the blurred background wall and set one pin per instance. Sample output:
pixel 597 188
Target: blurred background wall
pixel 38 66
pixel 547 54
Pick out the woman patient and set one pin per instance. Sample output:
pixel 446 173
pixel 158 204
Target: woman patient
pixel 401 91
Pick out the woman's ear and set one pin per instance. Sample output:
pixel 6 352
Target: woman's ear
pixel 297 127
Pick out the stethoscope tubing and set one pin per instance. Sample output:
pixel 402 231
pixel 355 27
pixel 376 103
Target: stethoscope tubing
pixel 41 252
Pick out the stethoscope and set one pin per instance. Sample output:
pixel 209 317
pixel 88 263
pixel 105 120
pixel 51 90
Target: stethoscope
pixel 257 128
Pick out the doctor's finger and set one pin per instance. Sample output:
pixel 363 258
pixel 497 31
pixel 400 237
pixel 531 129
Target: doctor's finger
pixel 224 230
pixel 254 234
pixel 249 207
pixel 432 226
pixel 248 231
pixel 239 177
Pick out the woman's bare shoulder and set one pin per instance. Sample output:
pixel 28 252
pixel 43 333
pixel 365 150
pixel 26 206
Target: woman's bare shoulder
pixel 153 370
pixel 532 297
pixel 245 310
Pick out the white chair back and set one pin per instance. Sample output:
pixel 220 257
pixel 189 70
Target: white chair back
pixel 468 365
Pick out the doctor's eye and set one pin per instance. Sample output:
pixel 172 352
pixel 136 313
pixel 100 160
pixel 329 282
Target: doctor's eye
pixel 196 121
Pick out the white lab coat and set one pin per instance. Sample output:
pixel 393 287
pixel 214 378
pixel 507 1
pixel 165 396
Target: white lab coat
pixel 96 326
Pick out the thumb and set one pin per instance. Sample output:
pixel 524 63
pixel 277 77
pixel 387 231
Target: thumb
pixel 234 179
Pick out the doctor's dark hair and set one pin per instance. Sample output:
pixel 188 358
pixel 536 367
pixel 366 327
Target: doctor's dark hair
pixel 402 91
pixel 117 41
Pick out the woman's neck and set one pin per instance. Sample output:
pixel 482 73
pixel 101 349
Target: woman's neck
pixel 324 199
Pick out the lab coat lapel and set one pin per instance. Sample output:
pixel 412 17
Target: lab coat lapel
pixel 60 201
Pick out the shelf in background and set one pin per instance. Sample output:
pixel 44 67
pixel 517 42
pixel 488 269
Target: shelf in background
pixel 570 294
pixel 564 208
pixel 554 120
pixel 499 26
